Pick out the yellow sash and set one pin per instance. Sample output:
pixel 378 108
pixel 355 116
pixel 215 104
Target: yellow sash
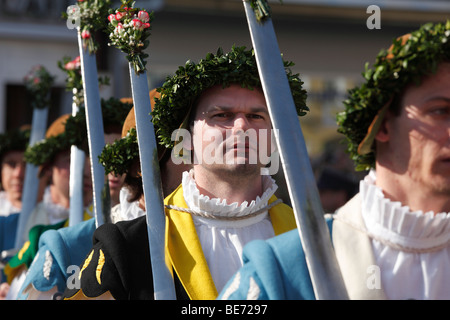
pixel 184 251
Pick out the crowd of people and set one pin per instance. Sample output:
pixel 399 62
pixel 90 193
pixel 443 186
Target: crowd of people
pixel 229 234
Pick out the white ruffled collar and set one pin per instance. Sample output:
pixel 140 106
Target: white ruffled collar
pixel 55 212
pixel 396 223
pixel 220 207
pixel 129 210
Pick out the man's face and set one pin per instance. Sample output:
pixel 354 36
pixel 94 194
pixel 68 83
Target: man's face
pixel 115 181
pixel 12 174
pixel 61 172
pixel 231 128
pixel 61 176
pixel 420 139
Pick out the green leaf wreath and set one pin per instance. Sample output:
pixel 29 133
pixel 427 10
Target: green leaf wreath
pixel 392 71
pixel 118 157
pixel 15 139
pixel 180 91
pixel 38 83
pixel 114 113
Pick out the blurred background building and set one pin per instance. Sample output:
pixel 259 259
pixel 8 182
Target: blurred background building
pixel 327 39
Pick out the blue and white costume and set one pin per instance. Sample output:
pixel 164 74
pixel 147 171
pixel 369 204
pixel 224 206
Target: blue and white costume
pixel 384 250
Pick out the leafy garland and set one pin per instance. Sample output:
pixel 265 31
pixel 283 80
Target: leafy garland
pixel 45 150
pixel 38 83
pixel 262 9
pixel 129 29
pixel 179 92
pixel 393 70
pixel 15 139
pixel 114 112
pixel 119 156
pixel 91 15
pixel 74 81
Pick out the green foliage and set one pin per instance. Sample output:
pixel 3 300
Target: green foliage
pixel 92 16
pixel 114 113
pixel 129 37
pixel 261 9
pixel 75 134
pixel 180 91
pixel 392 71
pixel 38 83
pixel 118 156
pixel 15 139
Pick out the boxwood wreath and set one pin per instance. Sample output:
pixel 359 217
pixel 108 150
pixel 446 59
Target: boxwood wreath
pixel 394 69
pixel 45 150
pixel 114 113
pixel 179 92
pixel 118 157
pixel 15 139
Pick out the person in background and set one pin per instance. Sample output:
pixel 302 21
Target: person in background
pixel 62 248
pixel 392 240
pixel 219 206
pixel 62 134
pixel 335 189
pixel 53 156
pixel 12 146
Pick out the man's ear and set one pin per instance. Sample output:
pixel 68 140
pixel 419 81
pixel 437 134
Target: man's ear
pixel 383 133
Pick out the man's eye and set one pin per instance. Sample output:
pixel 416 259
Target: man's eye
pixel 255 116
pixel 12 164
pixel 222 115
pixel 439 111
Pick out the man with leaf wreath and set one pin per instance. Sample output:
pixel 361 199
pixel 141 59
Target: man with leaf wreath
pixel 61 249
pixel 218 207
pixel 392 239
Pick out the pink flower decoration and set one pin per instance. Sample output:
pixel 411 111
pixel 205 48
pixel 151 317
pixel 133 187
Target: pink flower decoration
pixel 77 62
pixel 143 16
pixel 119 15
pixel 112 17
pixel 85 34
pixel 137 24
pixel 119 29
pixel 73 65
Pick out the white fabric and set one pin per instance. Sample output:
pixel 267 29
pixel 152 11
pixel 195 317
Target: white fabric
pixel 407 275
pixel 223 240
pixel 6 207
pixel 128 210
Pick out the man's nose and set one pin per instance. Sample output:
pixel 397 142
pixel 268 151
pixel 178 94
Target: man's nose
pixel 19 169
pixel 241 122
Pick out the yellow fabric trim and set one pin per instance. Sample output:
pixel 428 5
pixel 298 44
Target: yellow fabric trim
pixel 282 217
pixel 86 216
pixel 101 263
pixel 11 273
pixel 86 263
pixel 81 296
pixel 22 251
pixel 184 250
